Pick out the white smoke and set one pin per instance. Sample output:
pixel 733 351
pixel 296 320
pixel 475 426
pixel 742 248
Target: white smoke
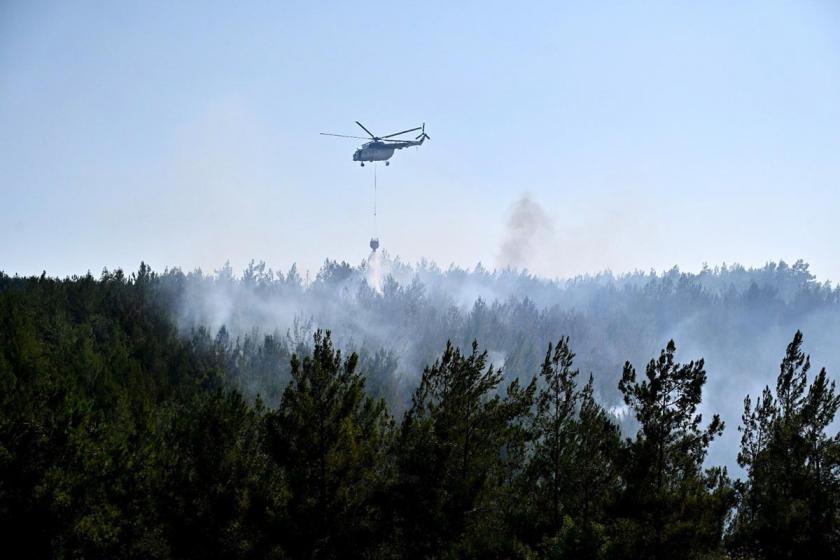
pixel 738 319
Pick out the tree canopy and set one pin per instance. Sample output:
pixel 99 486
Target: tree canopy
pixel 124 434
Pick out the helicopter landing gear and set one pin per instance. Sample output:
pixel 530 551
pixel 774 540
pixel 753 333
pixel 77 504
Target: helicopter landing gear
pixel 363 164
pixel 387 163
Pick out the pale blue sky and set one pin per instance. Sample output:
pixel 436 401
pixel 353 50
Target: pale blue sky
pixel 651 133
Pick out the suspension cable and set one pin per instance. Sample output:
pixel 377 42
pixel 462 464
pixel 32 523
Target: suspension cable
pixel 375 228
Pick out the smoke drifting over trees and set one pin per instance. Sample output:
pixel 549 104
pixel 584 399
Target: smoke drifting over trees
pixel 450 413
pixel 735 318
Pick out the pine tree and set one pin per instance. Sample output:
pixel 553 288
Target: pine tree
pixel 554 424
pixel 790 502
pixel 330 438
pixel 448 451
pixel 573 471
pixel 666 501
pixel 595 474
pixel 212 489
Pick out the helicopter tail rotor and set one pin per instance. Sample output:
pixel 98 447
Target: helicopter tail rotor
pixel 423 136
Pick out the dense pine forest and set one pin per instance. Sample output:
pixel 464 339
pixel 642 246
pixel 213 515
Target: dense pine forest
pixel 396 411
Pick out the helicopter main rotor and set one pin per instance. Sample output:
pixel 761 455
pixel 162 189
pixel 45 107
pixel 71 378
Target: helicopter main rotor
pixel 374 138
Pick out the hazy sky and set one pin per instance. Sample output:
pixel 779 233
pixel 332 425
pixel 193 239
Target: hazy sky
pixel 644 134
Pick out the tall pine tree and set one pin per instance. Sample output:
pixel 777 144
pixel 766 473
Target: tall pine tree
pixel 671 509
pixel 790 502
pixel 330 438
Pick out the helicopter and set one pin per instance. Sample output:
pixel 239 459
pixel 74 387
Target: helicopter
pixel 381 148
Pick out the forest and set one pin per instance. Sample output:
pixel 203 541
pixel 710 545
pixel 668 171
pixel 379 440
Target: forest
pixel 394 411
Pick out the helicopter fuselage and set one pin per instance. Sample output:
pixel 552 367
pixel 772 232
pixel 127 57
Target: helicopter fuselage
pixel 382 151
pixel 374 151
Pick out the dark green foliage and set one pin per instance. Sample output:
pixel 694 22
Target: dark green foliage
pixel 330 440
pixel 215 492
pixel 115 440
pixel 449 445
pixel 123 436
pixel 555 430
pixel 790 501
pixel 572 474
pixel 671 508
